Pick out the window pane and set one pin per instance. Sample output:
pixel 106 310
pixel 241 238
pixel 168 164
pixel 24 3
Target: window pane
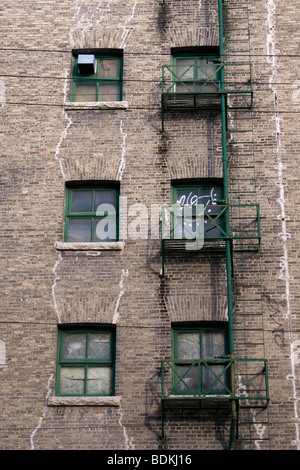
pixel 185 69
pixel 187 197
pixel 81 201
pixel 109 92
pixel 189 382
pixel 211 69
pixel 213 344
pixel 85 92
pixel 206 87
pixel 99 381
pixel 191 227
pixel 71 381
pixel 206 69
pixel 210 198
pixel 202 71
pixel 188 346
pixel 105 229
pixel 212 228
pixel 79 230
pixel 74 345
pixel 99 345
pixel 185 87
pixel 209 378
pixel 108 68
pixel 104 197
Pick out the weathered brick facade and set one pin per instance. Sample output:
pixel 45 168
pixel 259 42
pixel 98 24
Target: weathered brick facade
pixel 48 141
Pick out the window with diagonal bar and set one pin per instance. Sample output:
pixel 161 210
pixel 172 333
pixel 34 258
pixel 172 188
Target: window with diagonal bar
pixel 195 74
pixel 199 362
pixel 186 220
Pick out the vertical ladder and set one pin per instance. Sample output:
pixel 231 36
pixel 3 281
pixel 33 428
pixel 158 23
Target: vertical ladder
pixel 248 334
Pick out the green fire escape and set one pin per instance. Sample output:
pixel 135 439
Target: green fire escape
pixel 243 376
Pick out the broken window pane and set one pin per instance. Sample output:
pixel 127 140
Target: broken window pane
pixel 74 345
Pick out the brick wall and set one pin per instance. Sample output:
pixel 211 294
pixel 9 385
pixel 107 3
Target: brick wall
pixel 46 142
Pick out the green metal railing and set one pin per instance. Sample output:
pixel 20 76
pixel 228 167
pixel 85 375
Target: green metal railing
pixel 254 372
pixel 222 385
pixel 244 222
pixel 242 229
pixel 202 86
pixel 193 78
pixel 237 223
pixel 199 368
pixel 227 86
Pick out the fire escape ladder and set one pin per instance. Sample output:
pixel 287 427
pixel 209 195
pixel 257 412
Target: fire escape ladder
pixel 247 307
pixel 248 394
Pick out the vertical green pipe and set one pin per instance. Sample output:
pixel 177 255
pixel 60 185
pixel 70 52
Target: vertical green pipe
pixel 225 179
pixel 162 403
pixel 162 100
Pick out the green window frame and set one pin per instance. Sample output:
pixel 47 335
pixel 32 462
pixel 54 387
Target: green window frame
pixel 91 213
pixel 196 73
pixel 200 356
pixel 86 361
pixel 211 196
pixel 101 80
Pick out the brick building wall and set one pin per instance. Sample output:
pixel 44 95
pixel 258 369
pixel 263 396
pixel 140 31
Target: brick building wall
pixel 48 141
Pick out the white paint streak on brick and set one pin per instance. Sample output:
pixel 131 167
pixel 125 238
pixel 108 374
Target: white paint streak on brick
pixel 284 235
pixel 128 442
pixel 121 293
pixel 64 133
pixel 296 92
pixel 2 94
pixel 126 30
pixel 259 427
pixel 56 278
pixel 2 353
pixel 43 415
pixel 87 17
pixel 123 147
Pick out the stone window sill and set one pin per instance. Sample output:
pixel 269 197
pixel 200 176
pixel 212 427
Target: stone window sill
pixel 84 401
pixel 89 246
pixel 72 106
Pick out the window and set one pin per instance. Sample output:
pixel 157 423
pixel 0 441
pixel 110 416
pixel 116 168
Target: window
pixel 85 362
pixel 188 196
pixel 91 214
pixel 196 74
pixel 200 361
pixel 97 78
